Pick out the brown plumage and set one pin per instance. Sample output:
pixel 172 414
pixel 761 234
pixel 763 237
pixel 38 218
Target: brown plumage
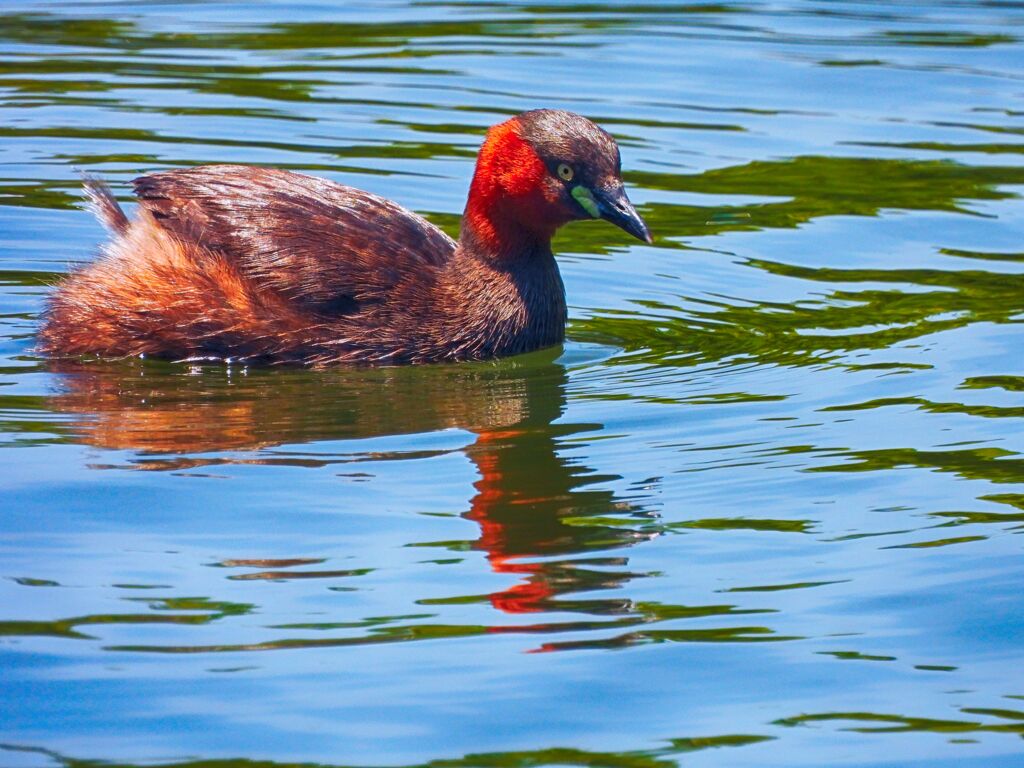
pixel 266 265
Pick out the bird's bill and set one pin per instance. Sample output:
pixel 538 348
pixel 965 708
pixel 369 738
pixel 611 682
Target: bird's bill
pixel 613 206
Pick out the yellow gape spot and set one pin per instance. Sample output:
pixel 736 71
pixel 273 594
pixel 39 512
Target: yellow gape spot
pixel 585 198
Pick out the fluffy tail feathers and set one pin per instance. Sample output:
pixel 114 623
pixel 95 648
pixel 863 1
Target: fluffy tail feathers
pixel 103 205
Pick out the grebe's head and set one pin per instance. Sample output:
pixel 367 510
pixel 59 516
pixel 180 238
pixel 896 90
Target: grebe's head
pixel 545 168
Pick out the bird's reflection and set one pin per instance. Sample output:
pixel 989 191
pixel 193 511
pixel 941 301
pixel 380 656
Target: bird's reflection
pixel 531 500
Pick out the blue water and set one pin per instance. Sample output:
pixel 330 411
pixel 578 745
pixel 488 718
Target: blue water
pixel 762 509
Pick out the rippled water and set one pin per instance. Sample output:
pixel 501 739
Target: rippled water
pixel 763 509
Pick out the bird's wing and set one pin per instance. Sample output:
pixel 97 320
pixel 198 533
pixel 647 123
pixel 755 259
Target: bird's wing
pixel 331 247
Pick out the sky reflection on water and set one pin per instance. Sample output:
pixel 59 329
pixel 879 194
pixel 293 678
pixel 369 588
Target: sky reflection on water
pixel 763 508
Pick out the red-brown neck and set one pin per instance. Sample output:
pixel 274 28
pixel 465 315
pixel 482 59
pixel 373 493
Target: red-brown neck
pixel 508 213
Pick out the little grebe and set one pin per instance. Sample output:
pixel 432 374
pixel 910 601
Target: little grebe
pixel 265 265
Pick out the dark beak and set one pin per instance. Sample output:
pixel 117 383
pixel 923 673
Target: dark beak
pixel 615 207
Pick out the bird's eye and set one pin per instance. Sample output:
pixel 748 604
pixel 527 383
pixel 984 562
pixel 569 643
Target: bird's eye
pixel 565 172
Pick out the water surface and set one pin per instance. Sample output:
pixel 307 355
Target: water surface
pixel 762 509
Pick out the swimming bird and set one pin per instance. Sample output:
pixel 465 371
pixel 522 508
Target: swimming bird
pixel 262 265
